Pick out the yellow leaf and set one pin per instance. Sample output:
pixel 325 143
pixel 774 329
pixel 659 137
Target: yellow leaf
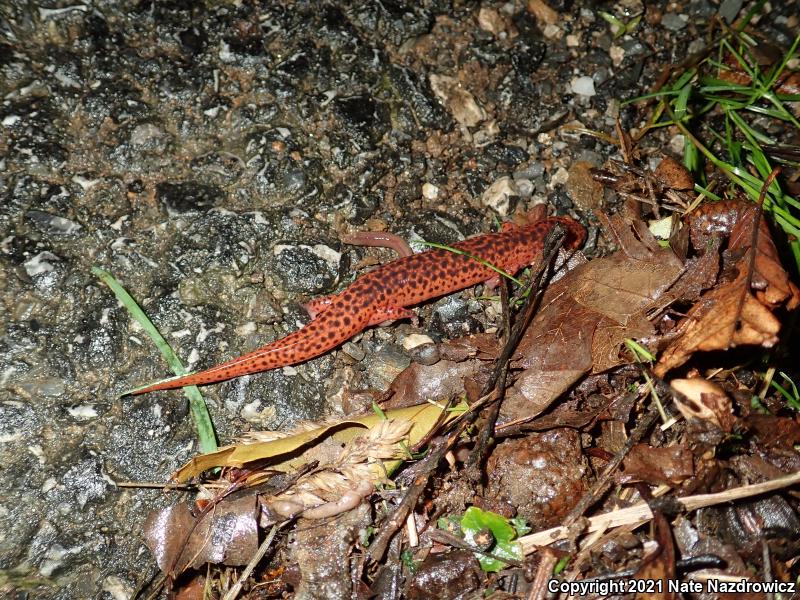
pixel 286 452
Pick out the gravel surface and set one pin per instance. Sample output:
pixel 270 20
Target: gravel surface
pixel 210 156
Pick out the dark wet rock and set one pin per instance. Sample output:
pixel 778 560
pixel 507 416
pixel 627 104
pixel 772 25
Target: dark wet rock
pixel 188 196
pixel 510 156
pixel 417 93
pixel 383 363
pixel 454 317
pixel 450 575
pixel 425 354
pixel 550 463
pixel 440 228
pixel 52 225
pixel 364 119
pixel 321 573
pixel 674 22
pixel 193 40
pixel 310 270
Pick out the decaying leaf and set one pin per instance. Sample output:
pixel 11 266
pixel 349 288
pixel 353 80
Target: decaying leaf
pixel 701 399
pixel 438 382
pixel 227 534
pixel 658 466
pixel 285 453
pixel 730 314
pixel 587 315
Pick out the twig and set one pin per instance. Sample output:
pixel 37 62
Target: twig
pixel 600 486
pixel 640 513
pixel 248 570
pixel 398 518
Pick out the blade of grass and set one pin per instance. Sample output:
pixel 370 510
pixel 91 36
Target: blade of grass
pixel 485 263
pixel 202 420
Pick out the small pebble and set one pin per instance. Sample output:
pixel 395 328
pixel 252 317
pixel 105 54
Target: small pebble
pixel 426 354
pixel 430 191
pixel 583 86
pixel 674 22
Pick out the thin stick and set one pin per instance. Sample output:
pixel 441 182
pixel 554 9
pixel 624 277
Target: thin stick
pixel 641 513
pixel 248 570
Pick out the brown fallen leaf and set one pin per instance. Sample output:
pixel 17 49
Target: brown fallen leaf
pixel 701 399
pixel 438 382
pixel 770 280
pixel 736 220
pixel 227 534
pixel 658 466
pixel 730 314
pixel 587 315
pixel 724 317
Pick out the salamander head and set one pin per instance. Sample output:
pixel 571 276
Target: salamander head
pixel 538 231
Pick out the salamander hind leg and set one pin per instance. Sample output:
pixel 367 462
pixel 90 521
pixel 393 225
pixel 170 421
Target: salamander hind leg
pixel 317 305
pixel 392 313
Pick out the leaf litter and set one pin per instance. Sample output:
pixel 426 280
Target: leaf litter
pixel 396 504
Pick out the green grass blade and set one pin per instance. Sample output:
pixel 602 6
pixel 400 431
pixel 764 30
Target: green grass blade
pixel 682 102
pixel 202 420
pixel 484 262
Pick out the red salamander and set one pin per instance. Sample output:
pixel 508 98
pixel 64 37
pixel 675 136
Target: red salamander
pixel 384 294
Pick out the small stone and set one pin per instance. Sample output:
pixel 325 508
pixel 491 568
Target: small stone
pixel 676 144
pixel 583 86
pixel 497 195
pixel 354 351
pixel 674 22
pixel 426 354
pixel 144 133
pixel 617 54
pixel 383 366
pixel 560 177
pixel 416 339
pixel 729 9
pixel 430 191
pixel 491 21
pixel 459 102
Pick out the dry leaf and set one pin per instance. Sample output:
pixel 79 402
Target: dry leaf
pixel 227 534
pixel 730 315
pixel 704 400
pixel 658 466
pixel 586 317
pixel 282 454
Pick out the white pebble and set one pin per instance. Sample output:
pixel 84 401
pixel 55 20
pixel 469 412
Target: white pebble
pixel 583 86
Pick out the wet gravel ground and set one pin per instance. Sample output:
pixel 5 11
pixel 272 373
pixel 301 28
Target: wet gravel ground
pixel 210 156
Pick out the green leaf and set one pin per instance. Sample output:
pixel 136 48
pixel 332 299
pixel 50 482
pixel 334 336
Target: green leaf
pixel 476 520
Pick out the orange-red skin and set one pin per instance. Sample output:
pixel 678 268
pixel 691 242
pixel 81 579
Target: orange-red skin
pixel 384 293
